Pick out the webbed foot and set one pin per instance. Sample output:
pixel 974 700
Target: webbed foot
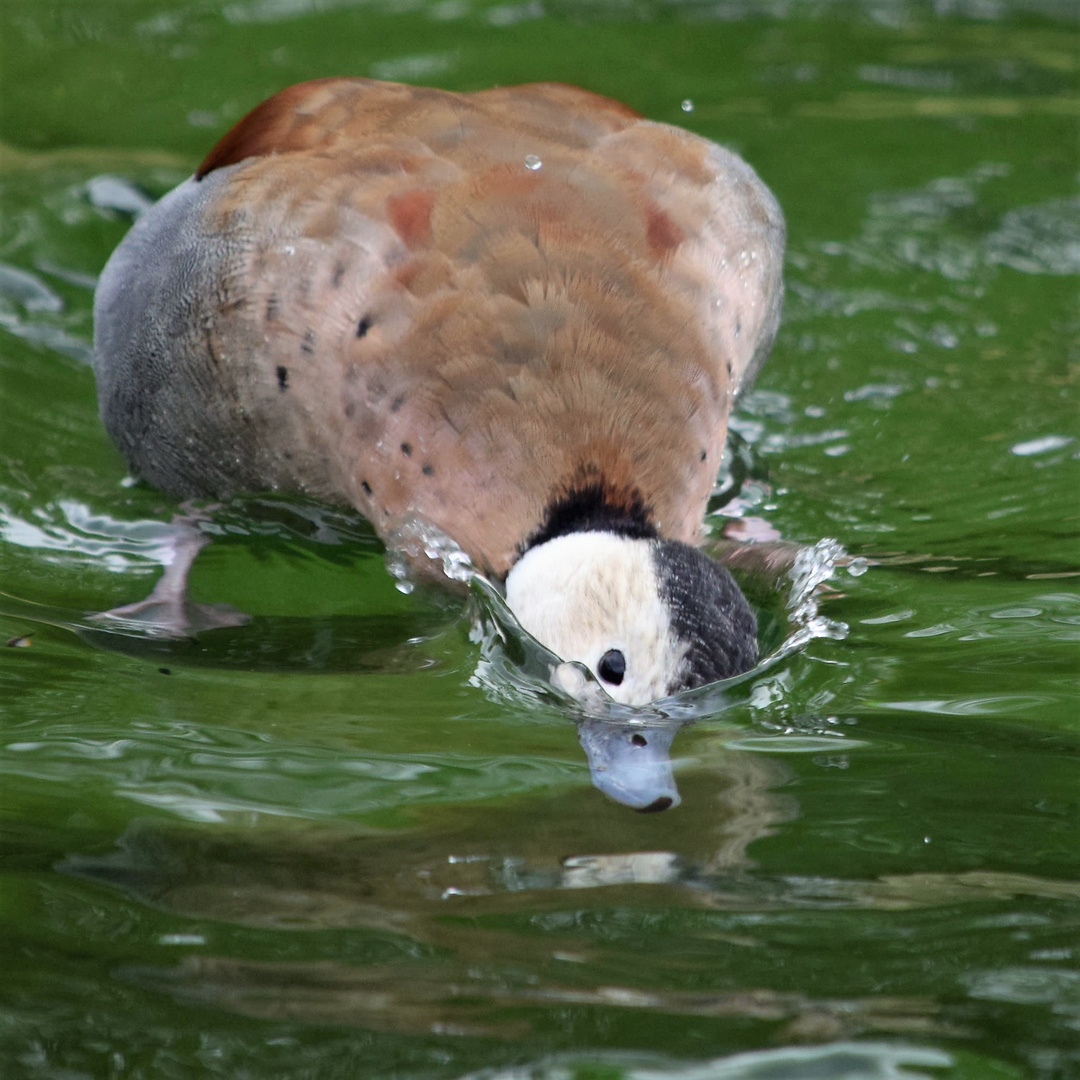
pixel 167 611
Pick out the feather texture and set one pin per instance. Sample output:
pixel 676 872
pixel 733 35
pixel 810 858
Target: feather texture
pixel 458 308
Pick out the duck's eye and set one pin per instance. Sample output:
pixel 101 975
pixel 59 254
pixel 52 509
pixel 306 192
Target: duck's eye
pixel 612 667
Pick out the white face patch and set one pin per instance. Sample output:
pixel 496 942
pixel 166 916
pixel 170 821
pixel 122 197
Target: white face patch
pixel 585 594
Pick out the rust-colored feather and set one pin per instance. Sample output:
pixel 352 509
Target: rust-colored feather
pixel 283 123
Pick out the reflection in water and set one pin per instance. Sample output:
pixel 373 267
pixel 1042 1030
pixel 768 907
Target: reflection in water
pixel 423 1001
pixel 446 929
pixel 501 917
pixel 481 926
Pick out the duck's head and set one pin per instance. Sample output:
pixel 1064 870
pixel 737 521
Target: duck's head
pixel 649 617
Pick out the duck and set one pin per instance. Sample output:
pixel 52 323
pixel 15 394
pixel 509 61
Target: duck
pixel 520 317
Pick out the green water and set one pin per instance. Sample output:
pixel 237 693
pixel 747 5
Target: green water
pixel 338 842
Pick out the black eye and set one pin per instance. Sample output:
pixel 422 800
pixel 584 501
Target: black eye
pixel 612 667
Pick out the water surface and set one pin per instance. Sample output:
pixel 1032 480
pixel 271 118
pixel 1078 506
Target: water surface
pixel 342 840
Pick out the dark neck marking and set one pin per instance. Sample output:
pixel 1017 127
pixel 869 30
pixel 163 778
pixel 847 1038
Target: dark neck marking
pixel 595 507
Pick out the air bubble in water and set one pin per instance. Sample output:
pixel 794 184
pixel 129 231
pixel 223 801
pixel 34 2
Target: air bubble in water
pixel 687 105
pixel 532 162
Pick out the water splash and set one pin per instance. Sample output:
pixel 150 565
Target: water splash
pixel 513 665
pixel 418 542
pixel 813 567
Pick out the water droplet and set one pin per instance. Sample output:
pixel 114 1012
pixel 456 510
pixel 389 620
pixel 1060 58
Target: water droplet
pixel 687 105
pixel 532 162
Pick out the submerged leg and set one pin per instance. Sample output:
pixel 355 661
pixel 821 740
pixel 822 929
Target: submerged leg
pixel 167 611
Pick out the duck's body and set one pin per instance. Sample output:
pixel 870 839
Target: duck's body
pixel 511 315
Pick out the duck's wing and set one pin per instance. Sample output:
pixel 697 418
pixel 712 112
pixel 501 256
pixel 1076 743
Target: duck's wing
pixel 705 214
pixel 329 114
